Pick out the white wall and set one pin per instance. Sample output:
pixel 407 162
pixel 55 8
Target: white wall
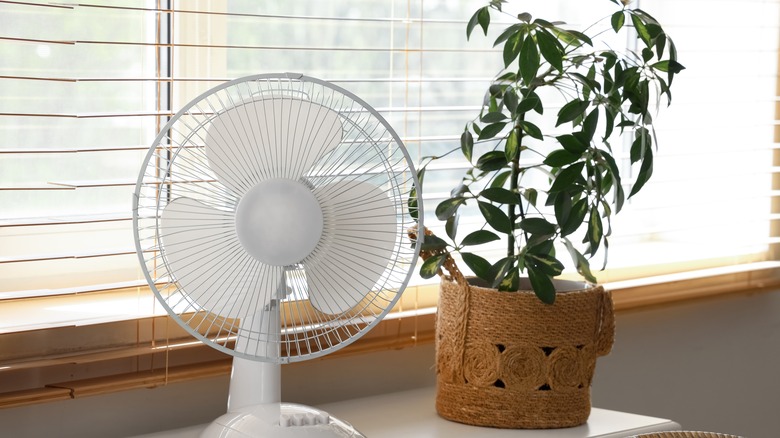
pixel 709 365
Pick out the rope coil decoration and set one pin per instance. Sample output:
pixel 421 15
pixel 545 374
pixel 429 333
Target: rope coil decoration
pixel 508 360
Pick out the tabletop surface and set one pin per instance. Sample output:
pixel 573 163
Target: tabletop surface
pixel 411 414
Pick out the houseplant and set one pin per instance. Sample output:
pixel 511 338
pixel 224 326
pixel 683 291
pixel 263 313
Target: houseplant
pixel 541 188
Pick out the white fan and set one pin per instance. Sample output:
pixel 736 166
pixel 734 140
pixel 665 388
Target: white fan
pixel 270 217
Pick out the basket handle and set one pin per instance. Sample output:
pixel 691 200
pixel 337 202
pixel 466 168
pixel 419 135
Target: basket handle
pixel 449 263
pixel 606 334
pixel 456 342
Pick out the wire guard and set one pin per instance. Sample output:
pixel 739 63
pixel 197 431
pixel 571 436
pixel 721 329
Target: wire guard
pixel 276 189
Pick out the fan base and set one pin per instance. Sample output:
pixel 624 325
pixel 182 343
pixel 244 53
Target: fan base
pixel 295 421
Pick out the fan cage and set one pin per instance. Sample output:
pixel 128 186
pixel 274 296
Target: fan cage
pixel 177 166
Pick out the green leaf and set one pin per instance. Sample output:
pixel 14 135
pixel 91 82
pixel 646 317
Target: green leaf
pixel 551 49
pixel 615 172
pixel 472 23
pixel 589 83
pixel 610 125
pixel 645 172
pixel 595 231
pixel 483 17
pixel 562 207
pixel 546 246
pixel 641 29
pixel 537 225
pixel 530 195
pixel 467 144
pixel 507 77
pixel 433 243
pixel 560 158
pixel 512 146
pixel 567 177
pixel 431 266
pixel 531 129
pixel 529 102
pixel 611 59
pixel 493 117
pixel 491 161
pixel 412 205
pixel 499 270
pixel 647 17
pixel 511 282
pixel 545 23
pixel 542 285
pixel 582 37
pixel 654 30
pixel 529 60
pixel 500 195
pixel 583 267
pixel 448 207
pixel 647 54
pixel 641 144
pixel 565 36
pixel 672 49
pixel 412 201
pixel 512 30
pixel 668 66
pixel 477 264
pixel 459 190
pixel 572 143
pixel 491 130
pixel 576 217
pixel 500 179
pixel 545 263
pixel 571 111
pixel 618 19
pixel 590 123
pixel 496 89
pixel 495 217
pixel 660 44
pixel 512 48
pixel 451 226
pixel 511 100
pixel 479 237
pixel 421 173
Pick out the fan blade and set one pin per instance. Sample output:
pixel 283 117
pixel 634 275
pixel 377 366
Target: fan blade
pixel 271 137
pixel 204 257
pixel 360 234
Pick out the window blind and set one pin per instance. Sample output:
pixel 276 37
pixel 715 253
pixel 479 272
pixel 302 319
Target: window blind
pixel 86 86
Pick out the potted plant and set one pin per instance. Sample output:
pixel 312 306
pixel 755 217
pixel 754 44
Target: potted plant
pixel 541 188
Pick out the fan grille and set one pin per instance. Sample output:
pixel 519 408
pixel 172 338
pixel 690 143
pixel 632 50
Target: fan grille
pixel 228 141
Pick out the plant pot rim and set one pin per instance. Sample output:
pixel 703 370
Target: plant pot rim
pixel 561 286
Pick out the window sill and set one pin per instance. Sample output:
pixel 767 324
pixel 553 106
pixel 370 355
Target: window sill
pixel 147 352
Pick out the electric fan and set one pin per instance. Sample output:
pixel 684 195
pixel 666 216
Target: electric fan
pixel 269 219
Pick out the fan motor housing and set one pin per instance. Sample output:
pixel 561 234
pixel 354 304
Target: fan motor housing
pixel 279 221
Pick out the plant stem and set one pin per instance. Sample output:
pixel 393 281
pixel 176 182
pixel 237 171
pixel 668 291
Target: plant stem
pixel 514 180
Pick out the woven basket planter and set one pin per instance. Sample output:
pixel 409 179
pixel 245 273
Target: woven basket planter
pixel 505 359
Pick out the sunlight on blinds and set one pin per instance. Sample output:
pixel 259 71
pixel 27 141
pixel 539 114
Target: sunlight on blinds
pixel 84 89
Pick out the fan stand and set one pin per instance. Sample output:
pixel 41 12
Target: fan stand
pixel 254 399
pixel 256 177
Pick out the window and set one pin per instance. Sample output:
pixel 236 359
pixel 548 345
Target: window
pixel 76 115
pixel 84 89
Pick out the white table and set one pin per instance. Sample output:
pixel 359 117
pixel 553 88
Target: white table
pixel 411 414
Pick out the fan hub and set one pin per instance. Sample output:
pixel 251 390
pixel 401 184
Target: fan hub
pixel 279 221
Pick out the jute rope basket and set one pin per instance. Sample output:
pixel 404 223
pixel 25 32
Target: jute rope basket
pixel 505 359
